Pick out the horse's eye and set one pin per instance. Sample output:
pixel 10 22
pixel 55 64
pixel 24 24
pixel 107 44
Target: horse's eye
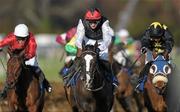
pixel 153 69
pixel 167 69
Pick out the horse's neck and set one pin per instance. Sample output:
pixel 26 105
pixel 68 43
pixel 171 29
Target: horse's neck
pixel 99 76
pixel 24 74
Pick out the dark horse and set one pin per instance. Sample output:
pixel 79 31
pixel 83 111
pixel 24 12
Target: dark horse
pixel 25 93
pixel 91 92
pixel 156 84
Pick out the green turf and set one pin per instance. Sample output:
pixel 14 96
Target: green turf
pixel 51 68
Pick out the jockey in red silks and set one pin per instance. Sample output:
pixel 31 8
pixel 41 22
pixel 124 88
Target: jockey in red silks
pixel 22 39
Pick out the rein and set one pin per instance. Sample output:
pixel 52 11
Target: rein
pixel 97 89
pixel 3 65
pixel 23 66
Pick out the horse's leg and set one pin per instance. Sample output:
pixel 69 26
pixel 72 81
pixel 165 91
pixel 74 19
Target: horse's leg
pixel 37 106
pixel 35 97
pixel 75 109
pixel 12 100
pixel 11 107
pixel 139 99
pixel 128 97
pixel 70 99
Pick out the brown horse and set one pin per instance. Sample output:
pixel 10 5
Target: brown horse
pixel 120 64
pixel 156 85
pixel 25 93
pixel 127 73
pixel 91 91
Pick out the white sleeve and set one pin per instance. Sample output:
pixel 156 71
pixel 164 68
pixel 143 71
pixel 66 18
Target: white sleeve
pixel 80 34
pixel 107 35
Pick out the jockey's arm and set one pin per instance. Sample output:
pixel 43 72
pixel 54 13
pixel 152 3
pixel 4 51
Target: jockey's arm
pixel 6 41
pixel 169 41
pixel 70 47
pixel 145 40
pixel 108 33
pixel 31 48
pixel 80 34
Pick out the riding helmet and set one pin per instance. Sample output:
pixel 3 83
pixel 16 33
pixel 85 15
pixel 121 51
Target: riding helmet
pixel 21 30
pixel 156 30
pixel 93 14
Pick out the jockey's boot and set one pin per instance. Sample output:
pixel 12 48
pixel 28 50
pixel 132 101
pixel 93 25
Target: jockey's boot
pixel 64 72
pixel 3 93
pixel 47 85
pixel 107 67
pixel 142 78
pixel 42 79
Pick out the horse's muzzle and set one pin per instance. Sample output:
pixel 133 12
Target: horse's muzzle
pixel 160 81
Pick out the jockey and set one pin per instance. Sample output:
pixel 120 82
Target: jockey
pixel 95 27
pixel 21 39
pixel 122 36
pixel 156 38
pixel 123 40
pixel 68 41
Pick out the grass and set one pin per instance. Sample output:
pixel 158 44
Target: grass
pixel 51 68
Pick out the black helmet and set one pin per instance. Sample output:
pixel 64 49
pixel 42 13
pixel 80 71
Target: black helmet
pixel 155 30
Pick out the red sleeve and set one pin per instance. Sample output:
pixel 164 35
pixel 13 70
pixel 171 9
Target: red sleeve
pixel 31 49
pixel 70 33
pixel 7 40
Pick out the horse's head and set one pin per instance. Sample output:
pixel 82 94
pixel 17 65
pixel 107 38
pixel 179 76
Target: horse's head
pixel 89 58
pixel 14 68
pixel 159 70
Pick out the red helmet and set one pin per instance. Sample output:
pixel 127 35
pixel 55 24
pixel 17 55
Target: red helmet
pixel 93 14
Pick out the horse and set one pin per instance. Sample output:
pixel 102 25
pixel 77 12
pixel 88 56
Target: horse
pixel 156 85
pixel 91 91
pixel 25 92
pixel 126 71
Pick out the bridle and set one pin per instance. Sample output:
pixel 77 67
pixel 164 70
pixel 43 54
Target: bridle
pixel 96 69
